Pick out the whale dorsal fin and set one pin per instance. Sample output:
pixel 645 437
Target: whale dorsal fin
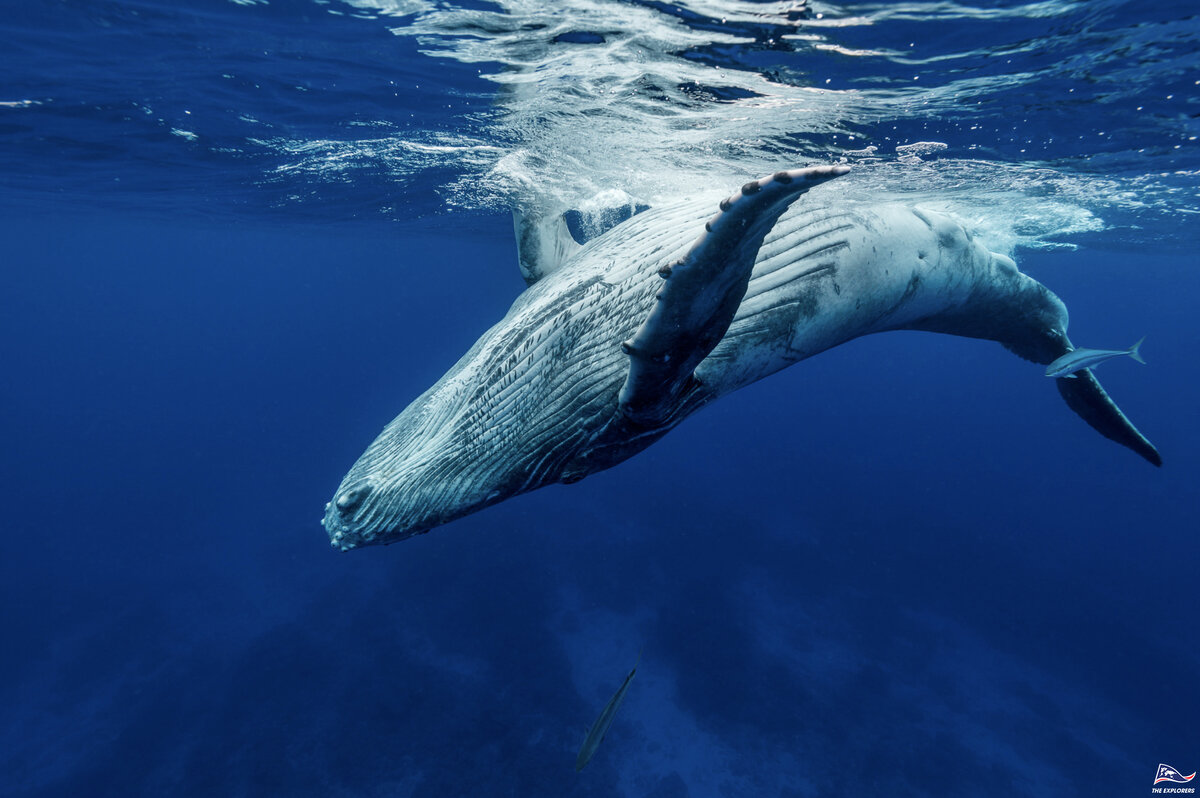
pixel 702 292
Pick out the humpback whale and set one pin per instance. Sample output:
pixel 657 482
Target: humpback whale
pixel 619 339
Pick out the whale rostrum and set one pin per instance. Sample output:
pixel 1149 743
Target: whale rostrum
pixel 616 341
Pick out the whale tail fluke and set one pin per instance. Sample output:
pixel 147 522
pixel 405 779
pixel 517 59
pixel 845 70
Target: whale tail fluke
pixel 1031 322
pixel 1081 390
pixel 1090 402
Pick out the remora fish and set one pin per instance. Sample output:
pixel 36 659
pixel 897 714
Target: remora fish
pixel 596 733
pixel 1080 359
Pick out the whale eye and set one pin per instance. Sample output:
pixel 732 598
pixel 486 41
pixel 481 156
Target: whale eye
pixel 351 499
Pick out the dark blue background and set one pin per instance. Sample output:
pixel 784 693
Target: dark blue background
pixel 900 566
pixel 903 567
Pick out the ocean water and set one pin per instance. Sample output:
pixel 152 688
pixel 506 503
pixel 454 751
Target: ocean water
pixel 239 237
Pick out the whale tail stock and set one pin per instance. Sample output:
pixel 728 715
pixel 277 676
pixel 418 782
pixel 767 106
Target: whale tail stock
pixel 1036 331
pixel 1030 321
pixel 1090 402
pixel 1083 393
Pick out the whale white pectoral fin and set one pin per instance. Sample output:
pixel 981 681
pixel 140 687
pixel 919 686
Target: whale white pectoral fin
pixel 702 292
pixel 544 243
pixel 597 215
pixel 548 239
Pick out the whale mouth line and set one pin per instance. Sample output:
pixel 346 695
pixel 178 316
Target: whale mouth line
pixel 347 540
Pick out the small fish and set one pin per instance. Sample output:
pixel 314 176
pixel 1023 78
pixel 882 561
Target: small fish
pixel 1080 359
pixel 596 733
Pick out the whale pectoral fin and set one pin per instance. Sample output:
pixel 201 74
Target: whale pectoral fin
pixel 1088 399
pixel 596 216
pixel 702 293
pixel 544 243
pixel 548 239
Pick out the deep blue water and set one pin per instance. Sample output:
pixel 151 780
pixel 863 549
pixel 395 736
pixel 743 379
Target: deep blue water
pixel 901 568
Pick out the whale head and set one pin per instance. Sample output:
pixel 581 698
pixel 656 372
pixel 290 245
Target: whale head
pixel 508 418
pixel 429 466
